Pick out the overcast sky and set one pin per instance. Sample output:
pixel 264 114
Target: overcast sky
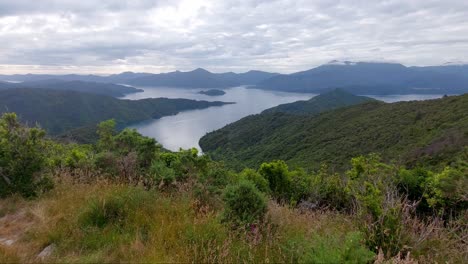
pixel 108 36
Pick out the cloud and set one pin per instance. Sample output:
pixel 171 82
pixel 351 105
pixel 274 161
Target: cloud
pixel 276 35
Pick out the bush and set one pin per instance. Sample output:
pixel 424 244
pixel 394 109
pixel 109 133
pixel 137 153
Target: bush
pixel 277 175
pixel 300 186
pixel 328 249
pixel 257 179
pixel 244 204
pixel 22 157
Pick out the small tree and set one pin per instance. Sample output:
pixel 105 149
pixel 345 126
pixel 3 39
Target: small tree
pixel 277 174
pixel 21 157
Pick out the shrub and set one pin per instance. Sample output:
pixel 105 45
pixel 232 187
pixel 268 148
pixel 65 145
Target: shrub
pixel 22 157
pixel 161 174
pixel 244 204
pixel 257 179
pixel 448 190
pixel 300 186
pixel 328 249
pixel 277 175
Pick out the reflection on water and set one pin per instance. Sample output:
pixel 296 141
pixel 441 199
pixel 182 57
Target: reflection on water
pixel 405 97
pixel 185 129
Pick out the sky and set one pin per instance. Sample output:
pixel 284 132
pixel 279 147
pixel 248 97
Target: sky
pixel 112 36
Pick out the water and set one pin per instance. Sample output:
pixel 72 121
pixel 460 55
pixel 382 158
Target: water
pixel 405 97
pixel 185 129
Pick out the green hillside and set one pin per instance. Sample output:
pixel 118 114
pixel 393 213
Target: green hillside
pixel 323 102
pixel 62 111
pixel 434 132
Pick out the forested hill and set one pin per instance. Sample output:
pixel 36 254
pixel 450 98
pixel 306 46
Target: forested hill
pixel 323 102
pixel 433 132
pixel 60 111
pixel 78 86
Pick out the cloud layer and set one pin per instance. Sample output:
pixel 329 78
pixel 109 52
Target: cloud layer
pixel 88 36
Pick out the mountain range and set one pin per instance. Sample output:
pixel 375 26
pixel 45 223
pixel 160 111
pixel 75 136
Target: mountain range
pixel 357 77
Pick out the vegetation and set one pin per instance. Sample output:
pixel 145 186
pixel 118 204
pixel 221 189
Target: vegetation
pixel 330 100
pixel 433 132
pixel 126 199
pixel 61 112
pixel 108 89
pixel 213 92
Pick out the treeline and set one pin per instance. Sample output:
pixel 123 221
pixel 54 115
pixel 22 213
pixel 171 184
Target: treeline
pixel 395 209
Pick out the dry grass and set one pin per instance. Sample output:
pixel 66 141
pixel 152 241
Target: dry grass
pixel 165 227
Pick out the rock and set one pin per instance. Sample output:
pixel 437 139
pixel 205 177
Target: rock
pixel 305 206
pixel 6 242
pixel 47 251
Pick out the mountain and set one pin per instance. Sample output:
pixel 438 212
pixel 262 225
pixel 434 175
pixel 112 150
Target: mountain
pixel 199 78
pixel 369 78
pixel 61 111
pixel 78 86
pixel 247 78
pixel 433 132
pixel 333 99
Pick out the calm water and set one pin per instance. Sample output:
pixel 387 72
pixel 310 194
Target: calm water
pixel 185 129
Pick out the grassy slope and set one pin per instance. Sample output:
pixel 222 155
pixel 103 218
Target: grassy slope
pixel 61 111
pixel 404 131
pixel 161 228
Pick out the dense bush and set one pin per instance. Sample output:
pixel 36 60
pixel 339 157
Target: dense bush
pixel 22 158
pixel 244 204
pixel 257 179
pixel 277 175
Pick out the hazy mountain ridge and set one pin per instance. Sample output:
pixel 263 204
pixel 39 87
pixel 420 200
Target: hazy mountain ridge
pixel 372 78
pixel 198 78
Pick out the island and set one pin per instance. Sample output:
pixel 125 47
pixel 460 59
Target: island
pixel 213 92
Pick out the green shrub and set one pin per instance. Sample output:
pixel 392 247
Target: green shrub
pixel 300 186
pixel 328 249
pixel 448 190
pixel 277 175
pixel 244 204
pixel 160 173
pixel 22 157
pixel 257 179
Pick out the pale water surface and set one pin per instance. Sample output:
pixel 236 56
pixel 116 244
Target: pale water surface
pixel 185 129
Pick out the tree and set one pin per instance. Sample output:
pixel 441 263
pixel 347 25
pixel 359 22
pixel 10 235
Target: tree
pixel 277 175
pixel 21 157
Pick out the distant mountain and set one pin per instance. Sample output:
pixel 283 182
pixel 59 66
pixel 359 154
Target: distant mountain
pixel 247 78
pixel 78 86
pixel 324 102
pixel 198 78
pixel 61 111
pixel 369 78
pixel 433 132
pixel 449 68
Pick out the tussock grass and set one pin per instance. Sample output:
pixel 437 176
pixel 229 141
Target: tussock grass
pixel 108 223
